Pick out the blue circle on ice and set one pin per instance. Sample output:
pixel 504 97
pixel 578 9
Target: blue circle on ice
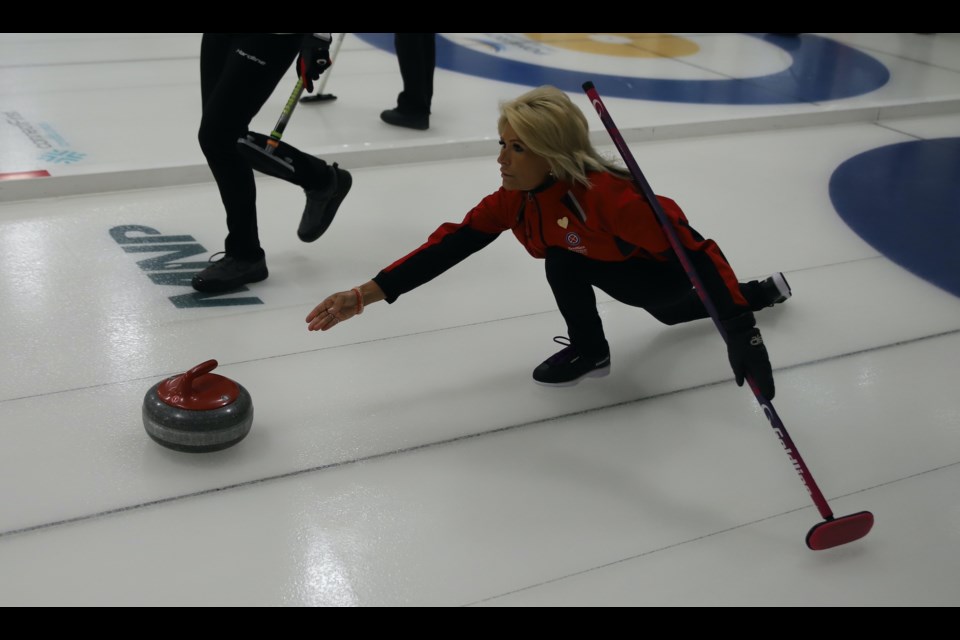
pixel 904 200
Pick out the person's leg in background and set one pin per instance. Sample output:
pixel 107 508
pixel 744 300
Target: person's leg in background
pixel 417 57
pixel 238 73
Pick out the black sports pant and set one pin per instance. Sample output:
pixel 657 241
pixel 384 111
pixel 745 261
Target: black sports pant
pixel 417 56
pixel 238 72
pixel 661 288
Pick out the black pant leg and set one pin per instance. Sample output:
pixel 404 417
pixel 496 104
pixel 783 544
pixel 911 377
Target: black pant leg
pixel 238 73
pixel 661 288
pixel 688 306
pixel 572 286
pixel 417 56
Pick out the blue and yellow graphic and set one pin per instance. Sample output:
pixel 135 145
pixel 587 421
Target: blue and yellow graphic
pixel 815 68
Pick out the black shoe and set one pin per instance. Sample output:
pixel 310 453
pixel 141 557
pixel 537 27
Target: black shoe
pixel 227 274
pixel 775 289
pixel 408 120
pixel 567 367
pixel 322 204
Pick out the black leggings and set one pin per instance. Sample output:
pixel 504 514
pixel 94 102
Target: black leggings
pixel 661 288
pixel 238 73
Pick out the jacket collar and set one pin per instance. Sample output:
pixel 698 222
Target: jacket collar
pixel 546 184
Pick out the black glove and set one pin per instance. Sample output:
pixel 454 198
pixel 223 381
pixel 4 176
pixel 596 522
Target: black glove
pixel 314 57
pixel 747 353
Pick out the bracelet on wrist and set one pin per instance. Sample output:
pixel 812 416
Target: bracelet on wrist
pixel 356 290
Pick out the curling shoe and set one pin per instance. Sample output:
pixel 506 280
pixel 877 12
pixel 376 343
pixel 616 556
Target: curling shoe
pixel 228 273
pixel 322 204
pixel 568 366
pixel 775 289
pixel 398 118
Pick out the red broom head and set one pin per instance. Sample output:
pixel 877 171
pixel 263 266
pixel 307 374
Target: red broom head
pixel 833 533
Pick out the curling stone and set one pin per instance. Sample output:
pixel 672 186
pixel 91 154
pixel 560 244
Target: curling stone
pixel 198 411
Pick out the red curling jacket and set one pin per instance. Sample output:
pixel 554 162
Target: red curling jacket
pixel 610 221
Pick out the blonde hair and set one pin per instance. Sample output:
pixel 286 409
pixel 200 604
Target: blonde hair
pixel 553 127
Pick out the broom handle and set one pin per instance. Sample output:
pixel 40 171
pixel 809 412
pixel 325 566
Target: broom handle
pixel 288 108
pixel 798 464
pixel 333 58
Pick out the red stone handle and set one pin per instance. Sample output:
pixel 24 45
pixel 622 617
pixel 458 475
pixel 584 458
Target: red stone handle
pixel 198 389
pixel 184 387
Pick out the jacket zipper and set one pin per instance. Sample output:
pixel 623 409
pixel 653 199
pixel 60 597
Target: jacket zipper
pixel 539 218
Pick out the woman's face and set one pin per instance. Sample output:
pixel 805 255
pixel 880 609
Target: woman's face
pixel 520 168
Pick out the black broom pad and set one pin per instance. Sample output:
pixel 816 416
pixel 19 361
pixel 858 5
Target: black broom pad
pixel 278 159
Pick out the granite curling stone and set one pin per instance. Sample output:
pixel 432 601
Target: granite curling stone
pixel 198 411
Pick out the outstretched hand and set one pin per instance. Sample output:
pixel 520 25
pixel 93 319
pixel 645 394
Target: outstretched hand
pixel 332 311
